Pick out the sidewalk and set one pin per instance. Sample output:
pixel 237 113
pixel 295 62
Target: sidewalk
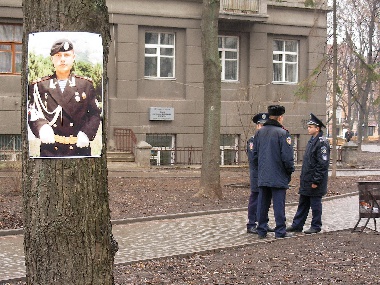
pixel 170 237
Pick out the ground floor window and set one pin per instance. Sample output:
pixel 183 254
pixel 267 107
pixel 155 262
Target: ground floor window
pixel 229 149
pixel 10 147
pixel 163 148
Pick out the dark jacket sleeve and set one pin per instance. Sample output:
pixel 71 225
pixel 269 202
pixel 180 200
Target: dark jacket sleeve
pixel 287 155
pixel 322 159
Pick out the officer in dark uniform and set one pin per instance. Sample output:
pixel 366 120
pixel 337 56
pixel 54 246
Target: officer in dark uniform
pixel 62 109
pixel 273 155
pixel 313 180
pixel 259 120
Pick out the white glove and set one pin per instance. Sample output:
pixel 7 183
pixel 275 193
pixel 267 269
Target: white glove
pixel 46 134
pixel 83 140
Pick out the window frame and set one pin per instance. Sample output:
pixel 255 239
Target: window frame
pixel 13 44
pixel 222 54
pixel 159 56
pixel 284 63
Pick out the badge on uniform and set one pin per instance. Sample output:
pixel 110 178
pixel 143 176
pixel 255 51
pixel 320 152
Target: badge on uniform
pixel 77 98
pixel 84 95
pixel 66 45
pixel 289 140
pixel 324 152
pixel 251 145
pixel 52 84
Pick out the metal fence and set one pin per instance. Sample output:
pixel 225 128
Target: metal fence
pixel 125 140
pixel 300 153
pixel 176 156
pixel 10 147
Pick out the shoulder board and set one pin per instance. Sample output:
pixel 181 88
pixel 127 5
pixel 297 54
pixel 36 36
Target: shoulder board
pixel 83 77
pixel 323 139
pixel 41 79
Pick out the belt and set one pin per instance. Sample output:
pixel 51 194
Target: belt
pixel 66 140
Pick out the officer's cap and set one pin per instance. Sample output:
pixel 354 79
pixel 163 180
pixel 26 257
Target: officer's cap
pixel 260 118
pixel 315 121
pixel 276 110
pixel 61 45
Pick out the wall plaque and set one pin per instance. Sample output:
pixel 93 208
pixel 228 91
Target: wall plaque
pixel 161 114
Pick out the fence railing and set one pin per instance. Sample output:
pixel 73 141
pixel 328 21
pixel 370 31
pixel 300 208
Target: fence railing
pixel 191 156
pixel 300 153
pixel 176 156
pixel 125 140
pixel 240 6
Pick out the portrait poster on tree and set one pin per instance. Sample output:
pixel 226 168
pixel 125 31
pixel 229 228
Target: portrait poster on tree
pixel 65 95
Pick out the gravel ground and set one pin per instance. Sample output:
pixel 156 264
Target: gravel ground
pixel 328 258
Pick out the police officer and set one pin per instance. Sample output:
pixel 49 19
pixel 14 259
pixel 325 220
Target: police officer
pixel 259 119
pixel 273 155
pixel 313 180
pixel 62 108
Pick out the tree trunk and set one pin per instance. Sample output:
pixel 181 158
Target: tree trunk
pixel 68 233
pixel 210 172
pixel 334 154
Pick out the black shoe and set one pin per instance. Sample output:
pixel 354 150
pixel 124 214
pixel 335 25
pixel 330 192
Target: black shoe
pixel 252 230
pixel 287 235
pixel 269 229
pixel 312 231
pixel 294 230
pixel 262 236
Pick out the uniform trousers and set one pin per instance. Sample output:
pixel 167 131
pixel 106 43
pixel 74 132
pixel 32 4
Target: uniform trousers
pixel 304 205
pixel 252 209
pixel 265 195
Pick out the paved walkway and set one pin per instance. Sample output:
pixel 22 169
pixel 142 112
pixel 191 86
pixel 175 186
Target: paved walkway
pixel 169 237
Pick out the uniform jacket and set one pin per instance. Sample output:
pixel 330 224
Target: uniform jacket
pixel 252 166
pixel 273 155
pixel 68 113
pixel 315 166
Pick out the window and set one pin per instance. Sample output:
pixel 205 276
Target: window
pixel 228 48
pixel 285 61
pixel 10 147
pixel 159 55
pixel 229 149
pixel 10 48
pixel 163 145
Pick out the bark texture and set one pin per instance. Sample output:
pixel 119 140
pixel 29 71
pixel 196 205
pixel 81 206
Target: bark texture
pixel 210 174
pixel 68 233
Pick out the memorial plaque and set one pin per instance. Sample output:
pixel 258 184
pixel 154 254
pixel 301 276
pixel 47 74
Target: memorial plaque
pixel 161 114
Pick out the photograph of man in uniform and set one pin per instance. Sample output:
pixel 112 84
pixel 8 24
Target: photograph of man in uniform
pixel 63 111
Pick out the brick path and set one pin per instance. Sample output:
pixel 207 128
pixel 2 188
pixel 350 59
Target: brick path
pixel 169 237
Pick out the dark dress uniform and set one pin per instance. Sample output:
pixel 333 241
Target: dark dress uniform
pixel 314 171
pixel 67 112
pixel 273 155
pixel 260 118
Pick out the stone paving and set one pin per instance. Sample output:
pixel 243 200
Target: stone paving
pixel 169 237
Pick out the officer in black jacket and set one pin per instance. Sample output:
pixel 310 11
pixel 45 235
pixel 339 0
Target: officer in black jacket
pixel 273 155
pixel 62 110
pixel 313 180
pixel 259 119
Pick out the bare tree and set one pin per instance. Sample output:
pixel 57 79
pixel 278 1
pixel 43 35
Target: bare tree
pixel 359 23
pixel 210 172
pixel 68 233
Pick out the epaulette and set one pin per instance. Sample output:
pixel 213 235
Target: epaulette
pixel 323 139
pixel 83 77
pixel 41 79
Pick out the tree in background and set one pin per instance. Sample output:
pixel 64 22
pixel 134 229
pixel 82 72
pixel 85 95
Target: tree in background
pixel 358 27
pixel 67 228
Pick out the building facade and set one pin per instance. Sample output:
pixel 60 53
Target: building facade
pixel 155 73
